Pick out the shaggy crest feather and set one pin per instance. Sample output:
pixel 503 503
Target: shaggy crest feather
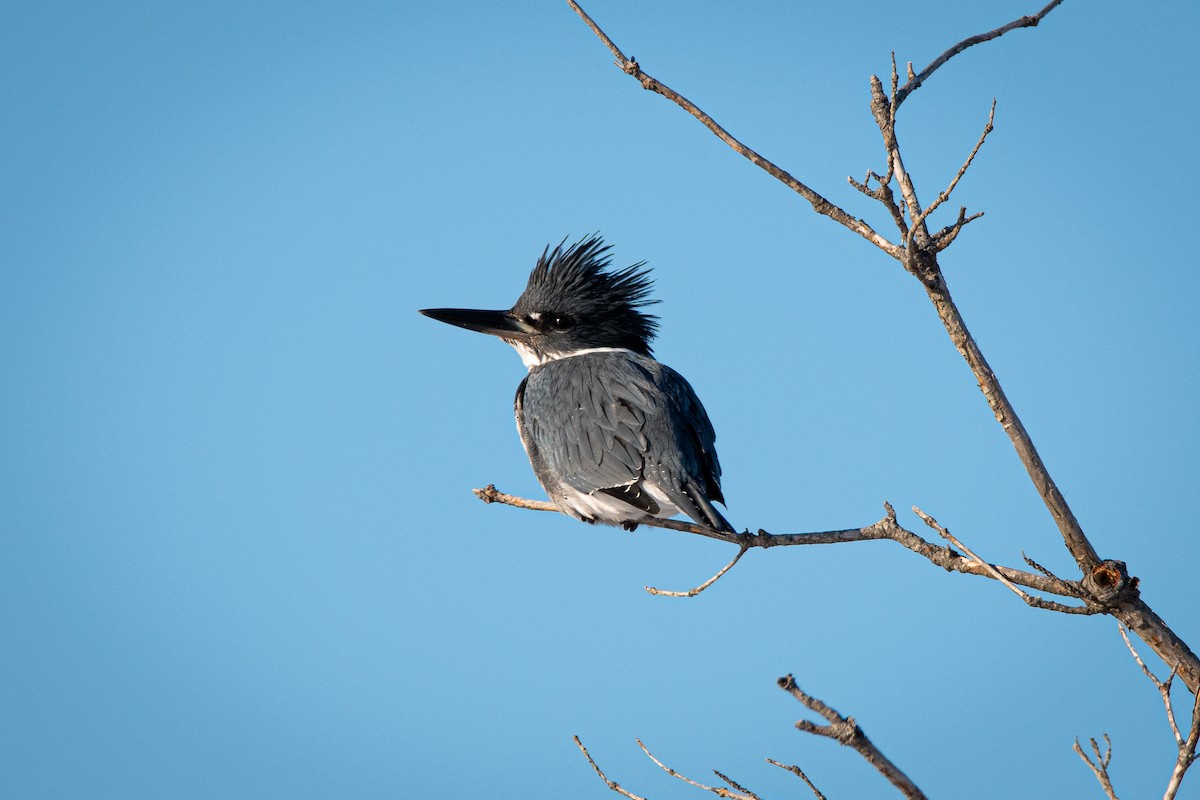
pixel 575 282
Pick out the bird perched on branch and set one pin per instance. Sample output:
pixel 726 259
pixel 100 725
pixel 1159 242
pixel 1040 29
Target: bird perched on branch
pixel 612 434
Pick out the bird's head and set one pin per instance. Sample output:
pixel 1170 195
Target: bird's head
pixel 573 302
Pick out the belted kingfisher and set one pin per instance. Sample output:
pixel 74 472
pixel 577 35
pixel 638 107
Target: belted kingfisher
pixel 612 434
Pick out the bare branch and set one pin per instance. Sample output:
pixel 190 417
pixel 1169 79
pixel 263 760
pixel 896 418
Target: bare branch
pixel 1099 768
pixel 915 81
pixel 616 787
pixel 886 528
pixel 697 590
pixel 818 202
pixel 846 731
pixel 1186 746
pixel 719 791
pixel 945 195
pixel 993 571
pixel 1187 753
pixel 795 770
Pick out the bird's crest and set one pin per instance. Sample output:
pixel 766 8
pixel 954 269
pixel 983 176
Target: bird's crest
pixel 604 304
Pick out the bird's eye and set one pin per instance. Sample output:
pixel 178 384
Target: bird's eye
pixel 561 322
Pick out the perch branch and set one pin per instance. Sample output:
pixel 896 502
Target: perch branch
pixel 886 528
pixel 1187 753
pixel 845 731
pixel 1106 580
pixel 915 81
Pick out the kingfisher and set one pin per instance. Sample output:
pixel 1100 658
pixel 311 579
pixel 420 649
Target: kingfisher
pixel 613 435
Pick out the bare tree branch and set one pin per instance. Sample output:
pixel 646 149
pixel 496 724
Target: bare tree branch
pixel 885 528
pixel 845 731
pixel 1106 583
pixel 945 195
pixel 1099 768
pixel 741 792
pixel 915 81
pixel 819 203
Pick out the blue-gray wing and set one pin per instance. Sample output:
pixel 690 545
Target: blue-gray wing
pixel 612 422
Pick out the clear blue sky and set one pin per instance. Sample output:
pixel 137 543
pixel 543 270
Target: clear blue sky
pixel 241 558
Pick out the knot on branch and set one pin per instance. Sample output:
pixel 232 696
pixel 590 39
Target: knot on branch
pixel 487 494
pixel 923 264
pixel 1109 584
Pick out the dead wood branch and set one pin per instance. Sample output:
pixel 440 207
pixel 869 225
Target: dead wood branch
pixel 1185 744
pixel 819 203
pixel 845 731
pixel 886 528
pixel 915 81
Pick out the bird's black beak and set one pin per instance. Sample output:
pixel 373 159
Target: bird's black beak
pixel 496 323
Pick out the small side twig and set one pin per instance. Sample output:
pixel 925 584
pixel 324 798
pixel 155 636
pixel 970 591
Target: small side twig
pixel 799 773
pixel 845 731
pixel 697 590
pixel 1186 745
pixel 1187 753
pixel 1099 767
pixel 886 528
pixel 993 571
pixel 739 793
pixel 945 194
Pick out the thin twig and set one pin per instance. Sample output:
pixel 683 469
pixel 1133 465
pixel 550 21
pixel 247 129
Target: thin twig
pixel 1100 767
pixel 820 204
pixel 886 528
pixel 915 81
pixel 697 590
pixel 993 571
pixel 719 791
pixel 1187 753
pixel 846 731
pixel 945 195
pixel 1186 745
pixel 799 773
pixel 616 787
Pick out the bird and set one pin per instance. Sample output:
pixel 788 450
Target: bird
pixel 612 434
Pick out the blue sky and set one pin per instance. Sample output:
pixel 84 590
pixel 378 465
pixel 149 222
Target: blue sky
pixel 241 555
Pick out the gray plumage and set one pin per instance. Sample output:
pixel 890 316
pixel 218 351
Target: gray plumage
pixel 612 434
